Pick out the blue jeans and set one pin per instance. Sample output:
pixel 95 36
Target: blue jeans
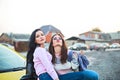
pixel 82 75
pixel 45 76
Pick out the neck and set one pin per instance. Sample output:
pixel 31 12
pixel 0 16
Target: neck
pixel 42 45
pixel 57 50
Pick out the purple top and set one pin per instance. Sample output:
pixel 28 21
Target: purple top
pixel 42 62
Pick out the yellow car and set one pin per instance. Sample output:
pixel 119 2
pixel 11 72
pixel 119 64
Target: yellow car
pixel 12 64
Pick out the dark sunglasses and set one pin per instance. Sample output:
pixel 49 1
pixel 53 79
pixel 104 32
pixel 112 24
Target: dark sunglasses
pixel 57 38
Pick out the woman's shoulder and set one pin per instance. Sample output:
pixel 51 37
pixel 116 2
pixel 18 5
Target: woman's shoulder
pixel 40 49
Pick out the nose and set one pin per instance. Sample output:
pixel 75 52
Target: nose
pixel 58 40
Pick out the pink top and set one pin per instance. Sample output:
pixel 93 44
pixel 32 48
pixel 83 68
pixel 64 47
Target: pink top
pixel 42 62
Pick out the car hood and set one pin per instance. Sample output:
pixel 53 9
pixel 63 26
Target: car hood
pixel 15 75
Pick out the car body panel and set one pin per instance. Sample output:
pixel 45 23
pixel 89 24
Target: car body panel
pixel 97 46
pixel 114 45
pixel 78 46
pixel 16 75
pixel 12 64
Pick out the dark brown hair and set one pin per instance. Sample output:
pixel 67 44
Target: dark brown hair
pixel 63 50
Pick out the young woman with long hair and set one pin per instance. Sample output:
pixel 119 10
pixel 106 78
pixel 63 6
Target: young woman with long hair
pixel 59 52
pixel 40 58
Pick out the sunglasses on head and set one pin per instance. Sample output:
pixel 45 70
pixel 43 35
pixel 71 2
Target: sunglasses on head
pixel 57 38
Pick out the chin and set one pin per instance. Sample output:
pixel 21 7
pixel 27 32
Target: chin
pixel 58 45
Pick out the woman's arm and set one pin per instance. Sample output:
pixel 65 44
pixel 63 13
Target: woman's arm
pixel 41 53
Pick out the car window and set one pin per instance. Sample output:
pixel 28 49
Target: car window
pixel 79 44
pixel 9 59
pixel 76 44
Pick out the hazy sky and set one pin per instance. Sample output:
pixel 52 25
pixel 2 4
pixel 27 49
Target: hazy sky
pixel 72 17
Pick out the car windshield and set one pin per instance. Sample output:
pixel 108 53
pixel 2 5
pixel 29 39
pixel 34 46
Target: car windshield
pixel 10 60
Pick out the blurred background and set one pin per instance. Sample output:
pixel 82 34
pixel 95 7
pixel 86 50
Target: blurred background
pixel 90 26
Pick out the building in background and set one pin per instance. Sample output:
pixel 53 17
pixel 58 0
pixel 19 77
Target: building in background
pixel 115 37
pixel 90 37
pixel 19 41
pixel 50 30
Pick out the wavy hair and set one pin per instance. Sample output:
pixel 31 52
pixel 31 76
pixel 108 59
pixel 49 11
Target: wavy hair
pixel 64 50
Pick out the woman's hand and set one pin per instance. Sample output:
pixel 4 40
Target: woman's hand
pixel 81 52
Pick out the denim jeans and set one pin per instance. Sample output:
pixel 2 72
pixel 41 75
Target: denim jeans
pixel 45 76
pixel 82 75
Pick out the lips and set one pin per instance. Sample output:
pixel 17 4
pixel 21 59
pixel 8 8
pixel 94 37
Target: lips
pixel 42 40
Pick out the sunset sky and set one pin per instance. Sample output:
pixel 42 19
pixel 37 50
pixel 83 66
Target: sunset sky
pixel 72 17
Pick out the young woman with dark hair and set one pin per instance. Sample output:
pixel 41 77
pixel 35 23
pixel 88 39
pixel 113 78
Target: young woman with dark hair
pixel 40 58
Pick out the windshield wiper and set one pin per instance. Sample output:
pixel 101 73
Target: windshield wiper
pixel 12 69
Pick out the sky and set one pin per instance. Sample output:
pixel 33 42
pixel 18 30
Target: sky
pixel 72 17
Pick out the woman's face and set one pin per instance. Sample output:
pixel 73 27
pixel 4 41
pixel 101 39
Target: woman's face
pixel 39 37
pixel 57 41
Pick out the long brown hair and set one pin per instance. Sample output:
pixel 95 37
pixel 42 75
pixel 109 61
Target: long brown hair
pixel 64 50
